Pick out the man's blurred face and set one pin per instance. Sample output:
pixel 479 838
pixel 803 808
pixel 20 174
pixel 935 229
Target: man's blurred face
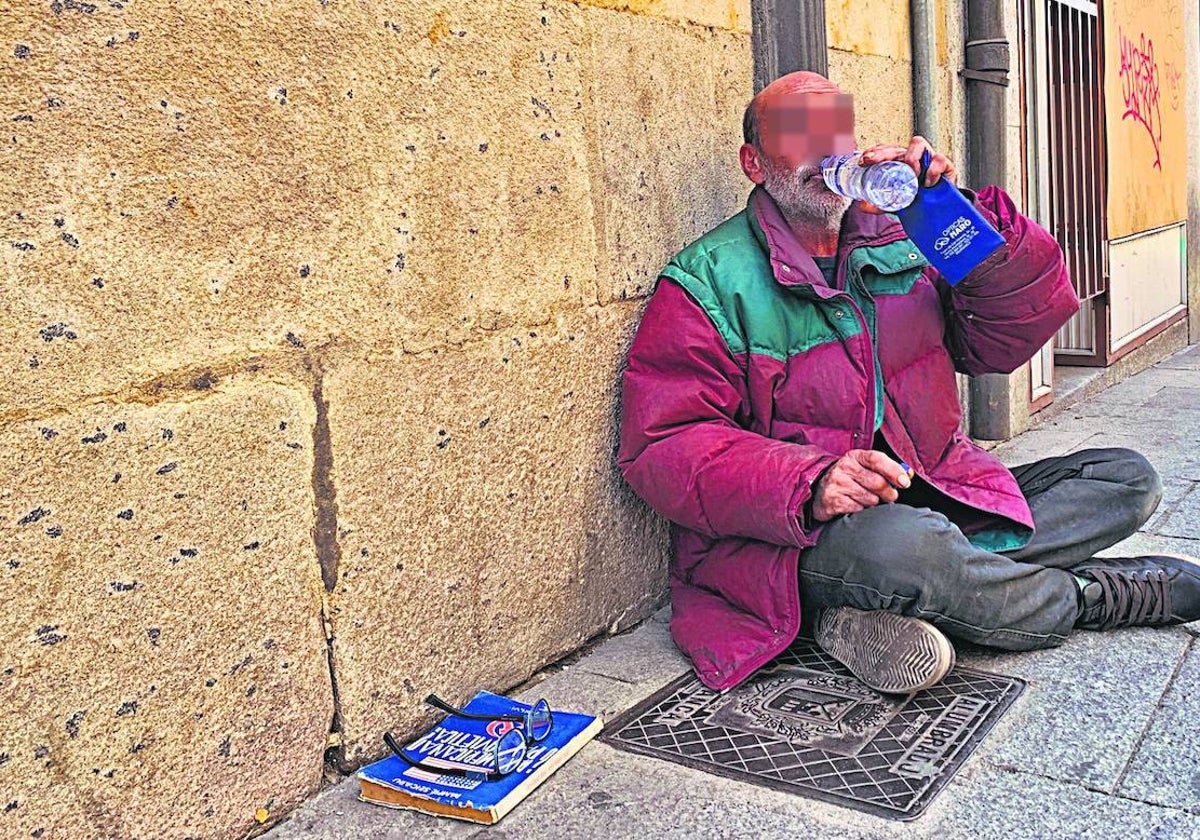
pixel 797 130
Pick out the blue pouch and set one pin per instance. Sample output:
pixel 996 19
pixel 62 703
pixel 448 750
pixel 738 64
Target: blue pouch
pixel 947 228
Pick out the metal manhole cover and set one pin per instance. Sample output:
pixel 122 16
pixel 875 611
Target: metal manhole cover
pixel 805 725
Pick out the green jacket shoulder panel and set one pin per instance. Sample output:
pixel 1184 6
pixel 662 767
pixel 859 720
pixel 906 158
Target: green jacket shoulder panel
pixel 728 274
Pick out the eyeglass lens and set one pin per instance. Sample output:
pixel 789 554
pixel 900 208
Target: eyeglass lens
pixel 539 721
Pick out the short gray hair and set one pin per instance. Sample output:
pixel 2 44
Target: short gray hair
pixel 750 124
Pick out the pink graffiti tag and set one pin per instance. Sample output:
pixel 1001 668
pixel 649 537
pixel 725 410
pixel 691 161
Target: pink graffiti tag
pixel 1139 86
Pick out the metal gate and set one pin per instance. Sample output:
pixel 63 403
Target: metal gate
pixel 1068 136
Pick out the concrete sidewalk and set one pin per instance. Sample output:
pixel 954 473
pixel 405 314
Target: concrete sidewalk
pixel 1105 742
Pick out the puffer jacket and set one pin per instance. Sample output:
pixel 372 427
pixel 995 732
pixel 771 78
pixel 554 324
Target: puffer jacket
pixel 750 375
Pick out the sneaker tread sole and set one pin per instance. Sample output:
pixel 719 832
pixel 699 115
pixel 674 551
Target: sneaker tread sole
pixel 890 653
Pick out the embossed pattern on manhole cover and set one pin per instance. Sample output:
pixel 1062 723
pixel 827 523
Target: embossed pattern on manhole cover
pixel 805 725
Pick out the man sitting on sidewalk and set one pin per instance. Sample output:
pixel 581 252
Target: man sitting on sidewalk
pixel 788 363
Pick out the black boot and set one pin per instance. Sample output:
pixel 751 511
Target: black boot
pixel 1138 591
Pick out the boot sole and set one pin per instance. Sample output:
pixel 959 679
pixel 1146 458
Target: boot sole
pixel 891 653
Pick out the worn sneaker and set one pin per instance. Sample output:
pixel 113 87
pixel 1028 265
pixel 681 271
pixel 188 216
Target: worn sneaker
pixel 888 652
pixel 1139 591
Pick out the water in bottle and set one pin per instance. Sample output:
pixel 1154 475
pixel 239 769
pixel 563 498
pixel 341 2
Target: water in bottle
pixel 890 186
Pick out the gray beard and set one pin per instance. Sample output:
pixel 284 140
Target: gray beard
pixel 804 202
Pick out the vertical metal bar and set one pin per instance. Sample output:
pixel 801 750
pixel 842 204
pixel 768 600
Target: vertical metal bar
pixel 1091 152
pixel 1093 155
pixel 1064 134
pixel 1103 129
pixel 1072 161
pixel 1061 221
pixel 1080 147
pixel 1051 114
pixel 1064 144
pixel 1079 161
pixel 1072 198
pixel 1040 63
pixel 1054 58
pixel 1098 326
pixel 1099 204
pixel 1087 147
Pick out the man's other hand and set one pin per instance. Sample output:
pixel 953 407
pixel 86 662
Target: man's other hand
pixel 860 479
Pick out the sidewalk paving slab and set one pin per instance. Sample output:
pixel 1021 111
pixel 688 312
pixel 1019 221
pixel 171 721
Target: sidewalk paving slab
pixel 1087 704
pixel 1164 770
pixel 1183 360
pixel 997 804
pixel 643 656
pixel 1127 399
pixel 1173 454
pixel 1057 437
pixel 1174 490
pixel 1183 517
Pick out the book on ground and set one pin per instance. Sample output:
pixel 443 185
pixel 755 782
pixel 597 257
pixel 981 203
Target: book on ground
pixel 457 743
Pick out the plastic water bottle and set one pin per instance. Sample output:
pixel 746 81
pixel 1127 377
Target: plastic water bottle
pixel 890 186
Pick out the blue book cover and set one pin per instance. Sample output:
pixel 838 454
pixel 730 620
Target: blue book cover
pixel 460 743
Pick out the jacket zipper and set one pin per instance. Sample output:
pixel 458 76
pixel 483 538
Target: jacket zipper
pixel 868 360
pixel 869 354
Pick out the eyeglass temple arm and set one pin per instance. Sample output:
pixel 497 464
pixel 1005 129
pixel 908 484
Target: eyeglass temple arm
pixel 398 751
pixel 439 703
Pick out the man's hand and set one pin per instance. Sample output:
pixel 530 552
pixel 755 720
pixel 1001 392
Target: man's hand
pixel 860 479
pixel 940 166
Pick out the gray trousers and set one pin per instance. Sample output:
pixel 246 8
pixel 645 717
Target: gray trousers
pixel 916 562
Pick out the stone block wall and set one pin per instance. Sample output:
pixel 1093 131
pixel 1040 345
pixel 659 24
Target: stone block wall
pixel 870 56
pixel 312 317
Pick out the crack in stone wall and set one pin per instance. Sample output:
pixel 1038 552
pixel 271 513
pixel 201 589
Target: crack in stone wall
pixel 329 552
pixel 325 538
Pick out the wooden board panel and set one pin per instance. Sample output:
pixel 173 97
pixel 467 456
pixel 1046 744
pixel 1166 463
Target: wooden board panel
pixel 1144 80
pixel 1147 282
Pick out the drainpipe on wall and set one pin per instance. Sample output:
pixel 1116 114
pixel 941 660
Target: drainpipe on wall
pixel 924 70
pixel 986 77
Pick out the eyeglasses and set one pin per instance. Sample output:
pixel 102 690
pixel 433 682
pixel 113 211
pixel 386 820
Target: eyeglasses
pixel 507 752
